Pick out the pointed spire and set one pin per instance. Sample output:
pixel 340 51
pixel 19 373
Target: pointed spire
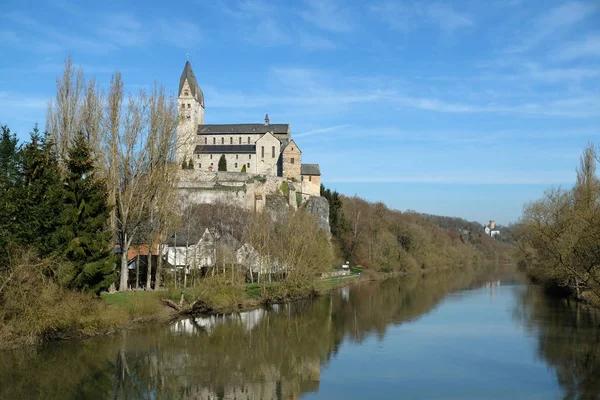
pixel 188 74
pixel 267 119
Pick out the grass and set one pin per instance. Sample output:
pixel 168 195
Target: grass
pixel 253 290
pixel 140 304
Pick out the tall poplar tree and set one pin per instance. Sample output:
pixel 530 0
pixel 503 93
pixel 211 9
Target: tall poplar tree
pixel 84 233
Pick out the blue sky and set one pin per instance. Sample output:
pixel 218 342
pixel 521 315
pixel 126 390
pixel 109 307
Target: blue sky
pixel 467 108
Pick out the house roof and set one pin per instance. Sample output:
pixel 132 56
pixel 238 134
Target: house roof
pixel 236 129
pixel 191 78
pixel 186 237
pixel 285 143
pixel 225 149
pixel 310 169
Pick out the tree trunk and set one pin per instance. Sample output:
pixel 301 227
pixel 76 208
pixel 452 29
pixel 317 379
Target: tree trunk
pixel 124 271
pixel 158 269
pixel 137 271
pixel 149 269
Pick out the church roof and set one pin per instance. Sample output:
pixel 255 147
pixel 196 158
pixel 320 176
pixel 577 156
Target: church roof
pixel 211 129
pixel 226 149
pixel 310 169
pixel 191 78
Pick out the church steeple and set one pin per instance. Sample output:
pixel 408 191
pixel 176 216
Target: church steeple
pixel 192 85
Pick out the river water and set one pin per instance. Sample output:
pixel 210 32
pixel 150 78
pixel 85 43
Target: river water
pixel 451 336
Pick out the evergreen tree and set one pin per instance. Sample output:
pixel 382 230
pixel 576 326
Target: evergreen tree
pixel 184 164
pixel 40 198
pixel 222 163
pixel 190 164
pixel 10 184
pixel 86 241
pixel 244 168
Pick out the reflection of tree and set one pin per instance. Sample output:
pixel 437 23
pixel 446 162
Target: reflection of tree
pixel 278 355
pixel 568 340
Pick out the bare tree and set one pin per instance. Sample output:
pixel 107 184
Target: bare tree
pixel 63 116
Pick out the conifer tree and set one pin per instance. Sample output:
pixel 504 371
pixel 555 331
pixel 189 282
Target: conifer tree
pixel 10 183
pixel 184 164
pixel 222 163
pixel 190 164
pixel 244 168
pixel 40 202
pixel 84 234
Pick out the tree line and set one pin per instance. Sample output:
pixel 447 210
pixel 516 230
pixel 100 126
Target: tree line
pixel 101 174
pixel 375 237
pixel 559 234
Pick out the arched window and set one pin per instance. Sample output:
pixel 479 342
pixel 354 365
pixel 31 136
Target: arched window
pixel 240 140
pixel 230 140
pixel 205 140
pixel 262 151
pixel 273 152
pixel 248 139
pixel 214 140
pixel 222 140
pixel 186 93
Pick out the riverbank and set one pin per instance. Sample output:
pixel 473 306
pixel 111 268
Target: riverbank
pixel 115 312
pixel 67 315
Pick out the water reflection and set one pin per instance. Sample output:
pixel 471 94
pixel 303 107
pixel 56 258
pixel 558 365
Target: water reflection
pixel 277 353
pixel 568 340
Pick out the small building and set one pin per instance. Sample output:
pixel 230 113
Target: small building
pixel 491 230
pixel 311 180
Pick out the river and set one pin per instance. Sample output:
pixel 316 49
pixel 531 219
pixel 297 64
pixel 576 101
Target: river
pixel 451 336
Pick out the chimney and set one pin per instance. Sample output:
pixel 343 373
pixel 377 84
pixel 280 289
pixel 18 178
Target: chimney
pixel 492 224
pixel 267 119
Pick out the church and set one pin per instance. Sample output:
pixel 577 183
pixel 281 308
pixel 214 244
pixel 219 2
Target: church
pixel 254 148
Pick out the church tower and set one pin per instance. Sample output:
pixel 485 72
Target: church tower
pixel 190 100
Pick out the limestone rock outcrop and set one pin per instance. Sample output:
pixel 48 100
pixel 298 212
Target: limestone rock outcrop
pixel 319 207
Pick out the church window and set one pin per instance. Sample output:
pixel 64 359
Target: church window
pixel 310 178
pixel 189 105
pixel 249 156
pixel 185 92
pixel 236 156
pixel 205 140
pixel 273 152
pixel 198 156
pixel 211 156
pixel 214 140
pixel 236 165
pixel 292 160
pixel 199 165
pixel 262 151
pixel 302 178
pixel 248 165
pixel 248 139
pixel 240 140
pixel 230 140
pixel 222 140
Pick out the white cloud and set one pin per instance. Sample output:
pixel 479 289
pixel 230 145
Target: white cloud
pixel 123 30
pixel 180 33
pixel 328 15
pixel 408 16
pixel 589 47
pixel 557 19
pixel 320 131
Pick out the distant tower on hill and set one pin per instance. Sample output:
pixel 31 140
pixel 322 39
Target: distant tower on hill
pixel 190 100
